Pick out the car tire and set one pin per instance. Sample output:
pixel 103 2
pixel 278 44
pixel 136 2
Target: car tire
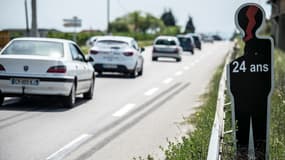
pixel 69 101
pixel 99 73
pixel 154 58
pixel 89 94
pixel 178 60
pixel 1 100
pixel 140 73
pixel 133 74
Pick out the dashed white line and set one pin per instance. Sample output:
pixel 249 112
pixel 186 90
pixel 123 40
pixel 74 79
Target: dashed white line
pixel 150 92
pixel 178 73
pixel 186 68
pixel 60 154
pixel 168 80
pixel 124 110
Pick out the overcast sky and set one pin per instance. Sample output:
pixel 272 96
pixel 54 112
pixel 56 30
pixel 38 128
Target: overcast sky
pixel 215 16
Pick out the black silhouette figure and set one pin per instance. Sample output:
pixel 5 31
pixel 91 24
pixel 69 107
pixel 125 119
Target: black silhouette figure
pixel 250 82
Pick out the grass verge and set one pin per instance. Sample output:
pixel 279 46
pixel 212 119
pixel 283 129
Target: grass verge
pixel 195 144
pixel 277 124
pixel 277 128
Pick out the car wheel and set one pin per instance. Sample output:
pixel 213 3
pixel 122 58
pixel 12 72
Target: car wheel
pixel 140 73
pixel 154 58
pixel 69 101
pixel 1 100
pixel 99 73
pixel 178 60
pixel 90 92
pixel 133 74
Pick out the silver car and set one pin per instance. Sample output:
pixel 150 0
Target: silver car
pixel 166 46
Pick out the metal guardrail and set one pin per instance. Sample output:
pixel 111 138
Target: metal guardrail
pixel 218 125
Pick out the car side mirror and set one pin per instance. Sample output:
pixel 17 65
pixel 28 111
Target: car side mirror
pixel 89 58
pixel 142 49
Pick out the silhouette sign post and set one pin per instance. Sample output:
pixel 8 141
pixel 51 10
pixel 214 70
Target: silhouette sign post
pixel 250 81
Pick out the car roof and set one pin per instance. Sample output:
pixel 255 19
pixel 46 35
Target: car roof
pixel 193 34
pixel 182 35
pixel 166 37
pixel 185 36
pixel 44 39
pixel 116 38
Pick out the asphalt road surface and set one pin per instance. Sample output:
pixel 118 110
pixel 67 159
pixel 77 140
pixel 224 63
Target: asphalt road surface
pixel 127 117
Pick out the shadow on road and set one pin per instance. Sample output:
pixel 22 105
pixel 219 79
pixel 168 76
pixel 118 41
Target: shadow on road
pixel 38 104
pixel 114 75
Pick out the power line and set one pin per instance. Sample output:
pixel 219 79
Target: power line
pixel 122 6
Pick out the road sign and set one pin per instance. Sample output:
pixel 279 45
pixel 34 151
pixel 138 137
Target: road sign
pixel 74 22
pixel 250 80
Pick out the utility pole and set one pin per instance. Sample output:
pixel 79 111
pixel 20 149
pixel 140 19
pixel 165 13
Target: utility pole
pixel 34 32
pixel 108 16
pixel 27 20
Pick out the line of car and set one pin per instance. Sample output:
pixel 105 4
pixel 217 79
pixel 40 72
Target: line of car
pixel 57 67
pixel 173 46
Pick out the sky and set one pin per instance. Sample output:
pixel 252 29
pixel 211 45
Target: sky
pixel 209 16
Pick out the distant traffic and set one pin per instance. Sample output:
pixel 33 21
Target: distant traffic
pixel 57 67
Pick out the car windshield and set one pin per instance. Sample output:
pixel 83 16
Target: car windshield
pixel 195 38
pixel 165 42
pixel 32 47
pixel 184 40
pixel 111 43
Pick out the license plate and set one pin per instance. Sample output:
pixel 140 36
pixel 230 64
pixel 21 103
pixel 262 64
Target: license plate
pixel 111 58
pixel 109 66
pixel 25 82
pixel 108 58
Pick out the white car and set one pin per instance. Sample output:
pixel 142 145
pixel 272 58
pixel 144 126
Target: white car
pixel 166 46
pixel 91 41
pixel 45 66
pixel 117 54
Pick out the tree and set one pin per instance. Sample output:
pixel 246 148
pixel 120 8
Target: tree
pixel 119 26
pixel 136 22
pixel 190 28
pixel 152 24
pixel 168 18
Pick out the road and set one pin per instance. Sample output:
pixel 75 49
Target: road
pixel 127 117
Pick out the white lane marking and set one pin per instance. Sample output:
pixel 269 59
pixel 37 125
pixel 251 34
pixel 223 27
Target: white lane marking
pixel 178 73
pixel 124 110
pixel 150 92
pixel 60 154
pixel 186 68
pixel 168 80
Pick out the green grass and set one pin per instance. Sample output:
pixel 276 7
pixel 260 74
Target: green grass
pixel 195 144
pixel 277 128
pixel 145 43
pixel 85 49
pixel 277 124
